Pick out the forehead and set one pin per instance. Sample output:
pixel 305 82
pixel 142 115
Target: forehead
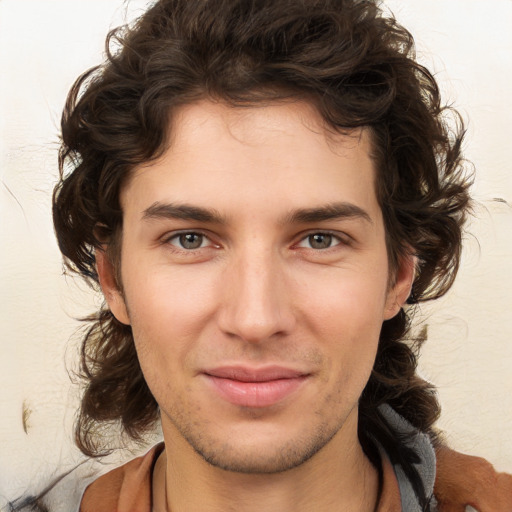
pixel 249 158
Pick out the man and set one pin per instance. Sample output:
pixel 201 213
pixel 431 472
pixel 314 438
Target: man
pixel 260 188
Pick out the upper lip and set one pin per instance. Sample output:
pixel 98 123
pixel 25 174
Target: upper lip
pixel 247 374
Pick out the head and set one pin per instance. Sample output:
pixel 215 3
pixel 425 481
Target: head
pixel 340 69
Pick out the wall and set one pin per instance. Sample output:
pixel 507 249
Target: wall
pixel 45 44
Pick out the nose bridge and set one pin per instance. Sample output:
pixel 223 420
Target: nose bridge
pixel 256 303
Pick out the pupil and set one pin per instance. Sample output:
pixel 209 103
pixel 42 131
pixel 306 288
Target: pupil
pixel 191 240
pixel 320 241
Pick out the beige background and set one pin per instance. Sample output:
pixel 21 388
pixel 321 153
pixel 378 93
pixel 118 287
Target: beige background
pixel 45 44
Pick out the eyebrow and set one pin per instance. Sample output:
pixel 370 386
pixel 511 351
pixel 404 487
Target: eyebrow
pixel 182 211
pixel 333 211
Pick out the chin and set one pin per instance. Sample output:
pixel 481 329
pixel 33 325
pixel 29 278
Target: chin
pixel 267 456
pixel 257 463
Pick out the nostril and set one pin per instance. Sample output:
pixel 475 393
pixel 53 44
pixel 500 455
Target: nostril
pixel 256 305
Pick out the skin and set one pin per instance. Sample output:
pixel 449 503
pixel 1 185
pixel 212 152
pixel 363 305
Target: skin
pixel 273 278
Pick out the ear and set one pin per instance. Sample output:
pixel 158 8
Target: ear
pixel 402 285
pixel 109 287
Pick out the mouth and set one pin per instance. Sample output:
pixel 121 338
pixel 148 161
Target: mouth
pixel 255 387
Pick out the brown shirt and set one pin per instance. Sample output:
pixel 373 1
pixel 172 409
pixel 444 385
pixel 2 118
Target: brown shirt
pixel 128 488
pixel 461 480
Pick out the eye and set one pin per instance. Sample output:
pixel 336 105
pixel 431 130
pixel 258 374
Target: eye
pixel 319 241
pixel 189 241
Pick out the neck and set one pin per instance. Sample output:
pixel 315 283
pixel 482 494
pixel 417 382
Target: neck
pixel 338 478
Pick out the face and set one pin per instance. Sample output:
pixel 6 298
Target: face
pixel 255 278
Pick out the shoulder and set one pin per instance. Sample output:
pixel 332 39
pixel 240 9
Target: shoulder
pixel 456 480
pixel 124 489
pixel 467 480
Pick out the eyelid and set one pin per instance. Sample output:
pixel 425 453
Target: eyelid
pixel 166 239
pixel 341 237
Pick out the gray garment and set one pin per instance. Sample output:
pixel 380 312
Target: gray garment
pixel 73 486
pixel 421 445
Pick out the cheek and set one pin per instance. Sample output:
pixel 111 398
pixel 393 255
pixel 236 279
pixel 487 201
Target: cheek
pixel 168 305
pixel 347 303
pixel 161 290
pixel 347 315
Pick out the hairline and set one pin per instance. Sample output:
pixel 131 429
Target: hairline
pixel 114 248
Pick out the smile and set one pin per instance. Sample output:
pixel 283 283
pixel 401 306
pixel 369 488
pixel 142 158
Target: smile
pixel 254 387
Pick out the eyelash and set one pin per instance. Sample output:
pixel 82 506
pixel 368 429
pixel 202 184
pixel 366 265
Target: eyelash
pixel 333 237
pixel 340 239
pixel 178 236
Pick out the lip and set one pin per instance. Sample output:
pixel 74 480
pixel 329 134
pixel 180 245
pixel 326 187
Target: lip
pixel 254 387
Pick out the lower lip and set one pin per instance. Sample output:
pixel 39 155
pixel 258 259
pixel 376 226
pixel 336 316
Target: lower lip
pixel 255 394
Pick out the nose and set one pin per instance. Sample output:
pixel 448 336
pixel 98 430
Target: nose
pixel 257 304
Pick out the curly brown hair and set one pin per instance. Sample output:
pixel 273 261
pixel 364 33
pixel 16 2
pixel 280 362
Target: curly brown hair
pixel 357 66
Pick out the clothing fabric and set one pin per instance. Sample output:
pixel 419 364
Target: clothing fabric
pixel 124 489
pixel 129 487
pixel 461 480
pixel 426 467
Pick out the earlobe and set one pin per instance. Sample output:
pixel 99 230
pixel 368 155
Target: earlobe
pixel 401 289
pixel 109 287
